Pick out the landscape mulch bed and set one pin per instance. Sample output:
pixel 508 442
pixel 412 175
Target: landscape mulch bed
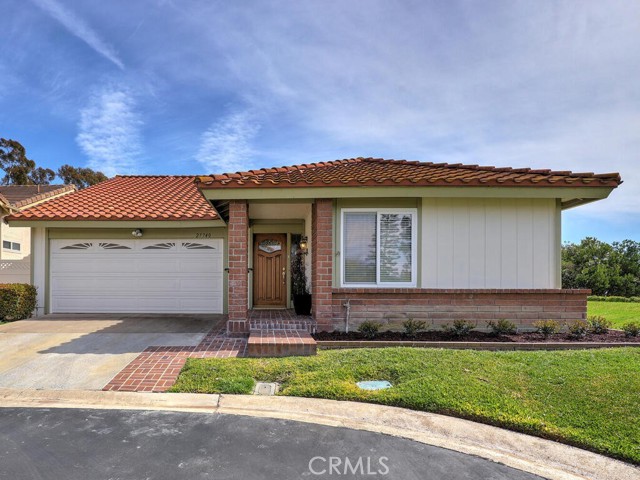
pixel 614 336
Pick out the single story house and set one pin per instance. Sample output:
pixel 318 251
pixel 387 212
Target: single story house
pixel 384 240
pixel 15 242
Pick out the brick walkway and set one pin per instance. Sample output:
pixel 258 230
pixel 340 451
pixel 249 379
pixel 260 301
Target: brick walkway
pixel 156 369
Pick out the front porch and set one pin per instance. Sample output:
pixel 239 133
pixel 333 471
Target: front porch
pixel 285 319
pixel 264 241
pixel 280 333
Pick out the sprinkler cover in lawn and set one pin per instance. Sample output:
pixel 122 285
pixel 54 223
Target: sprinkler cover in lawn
pixel 374 385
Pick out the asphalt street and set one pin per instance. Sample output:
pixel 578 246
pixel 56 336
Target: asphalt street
pixel 88 444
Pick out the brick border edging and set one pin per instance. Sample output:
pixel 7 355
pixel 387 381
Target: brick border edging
pixel 496 346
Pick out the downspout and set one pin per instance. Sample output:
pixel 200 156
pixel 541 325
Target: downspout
pixel 347 305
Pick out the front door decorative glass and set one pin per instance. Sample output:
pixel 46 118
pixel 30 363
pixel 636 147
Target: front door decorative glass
pixel 270 246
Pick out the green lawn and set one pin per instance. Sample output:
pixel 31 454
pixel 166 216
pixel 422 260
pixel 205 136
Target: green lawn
pixel 618 312
pixel 588 398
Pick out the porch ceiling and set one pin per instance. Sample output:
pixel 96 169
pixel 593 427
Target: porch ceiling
pixel 279 211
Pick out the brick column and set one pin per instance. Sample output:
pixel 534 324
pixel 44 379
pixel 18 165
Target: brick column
pixel 322 262
pixel 238 264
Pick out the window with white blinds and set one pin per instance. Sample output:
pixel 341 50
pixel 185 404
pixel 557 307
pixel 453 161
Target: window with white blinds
pixel 378 247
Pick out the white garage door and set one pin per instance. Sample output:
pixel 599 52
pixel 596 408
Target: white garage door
pixel 145 276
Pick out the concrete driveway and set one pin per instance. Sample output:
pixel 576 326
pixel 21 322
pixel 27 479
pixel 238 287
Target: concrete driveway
pixel 86 351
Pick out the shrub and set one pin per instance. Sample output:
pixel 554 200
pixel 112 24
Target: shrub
pixel 459 328
pixel 598 325
pixel 17 301
pixel 612 298
pixel 578 328
pixel 502 327
pixel 631 329
pixel 412 327
pixel 546 327
pixel 369 328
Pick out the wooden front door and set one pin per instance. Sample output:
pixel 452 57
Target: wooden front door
pixel 270 270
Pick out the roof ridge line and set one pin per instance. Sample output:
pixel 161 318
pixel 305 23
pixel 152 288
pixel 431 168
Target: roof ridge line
pixel 392 171
pixel 154 175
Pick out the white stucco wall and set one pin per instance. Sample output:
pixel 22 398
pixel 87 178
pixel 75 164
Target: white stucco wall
pixel 21 235
pixel 39 266
pixel 15 266
pixel 490 243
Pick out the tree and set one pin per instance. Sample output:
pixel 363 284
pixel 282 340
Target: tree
pixel 80 177
pixel 42 176
pixel 13 160
pixel 605 269
pixel 21 170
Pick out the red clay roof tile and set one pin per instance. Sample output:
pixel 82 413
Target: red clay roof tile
pixel 164 197
pixel 159 197
pixel 377 171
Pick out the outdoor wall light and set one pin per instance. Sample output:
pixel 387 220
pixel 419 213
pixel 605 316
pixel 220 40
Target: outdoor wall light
pixel 137 232
pixel 304 245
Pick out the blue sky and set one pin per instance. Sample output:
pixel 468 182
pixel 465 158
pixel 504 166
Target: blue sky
pixel 209 86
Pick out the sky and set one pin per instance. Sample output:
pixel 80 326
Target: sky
pixel 205 86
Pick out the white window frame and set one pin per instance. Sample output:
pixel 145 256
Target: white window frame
pixel 10 247
pixel 414 247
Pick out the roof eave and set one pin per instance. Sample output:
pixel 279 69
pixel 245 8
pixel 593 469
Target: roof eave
pixel 311 192
pixel 577 202
pixel 121 223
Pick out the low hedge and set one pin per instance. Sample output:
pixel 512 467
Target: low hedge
pixel 17 301
pixel 598 298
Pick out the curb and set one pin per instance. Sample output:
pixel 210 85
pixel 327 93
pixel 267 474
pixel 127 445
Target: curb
pixel 545 458
pixel 108 400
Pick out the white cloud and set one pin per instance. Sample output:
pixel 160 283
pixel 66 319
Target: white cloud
pixel 109 132
pixel 226 146
pixel 521 84
pixel 79 28
pixel 541 84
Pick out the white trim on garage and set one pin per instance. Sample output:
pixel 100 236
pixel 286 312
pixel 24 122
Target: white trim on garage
pixel 136 276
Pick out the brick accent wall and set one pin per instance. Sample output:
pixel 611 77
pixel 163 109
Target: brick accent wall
pixel 441 306
pixel 322 262
pixel 238 244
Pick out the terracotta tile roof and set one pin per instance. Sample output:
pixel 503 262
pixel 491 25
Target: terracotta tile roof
pixel 378 172
pixel 159 197
pixel 19 196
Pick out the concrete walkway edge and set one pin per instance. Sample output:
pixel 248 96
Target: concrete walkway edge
pixel 531 454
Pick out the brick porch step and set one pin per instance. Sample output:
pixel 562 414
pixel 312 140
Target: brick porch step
pixel 280 343
pixel 283 324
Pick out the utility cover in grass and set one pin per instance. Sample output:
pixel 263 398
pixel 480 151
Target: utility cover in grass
pixel 374 385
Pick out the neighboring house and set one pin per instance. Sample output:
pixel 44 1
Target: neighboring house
pixel 15 242
pixel 387 240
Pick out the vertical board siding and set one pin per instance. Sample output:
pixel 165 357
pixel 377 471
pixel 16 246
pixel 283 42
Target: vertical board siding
pixel 477 245
pixel 489 243
pixel 429 245
pixel 509 239
pixel 461 242
pixel 493 245
pixel 524 244
pixel 543 243
pixel 444 241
